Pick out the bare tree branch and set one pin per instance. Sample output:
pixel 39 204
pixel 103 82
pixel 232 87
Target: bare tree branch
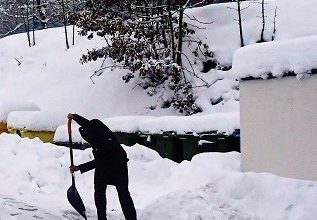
pixel 274 24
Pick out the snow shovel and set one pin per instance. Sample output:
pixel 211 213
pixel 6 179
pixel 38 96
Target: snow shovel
pixel 72 193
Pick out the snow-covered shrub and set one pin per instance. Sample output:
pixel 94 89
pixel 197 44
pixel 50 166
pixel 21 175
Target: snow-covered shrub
pixel 146 39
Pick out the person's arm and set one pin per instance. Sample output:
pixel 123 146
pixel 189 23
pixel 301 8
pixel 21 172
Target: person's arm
pixel 87 166
pixel 83 167
pixel 80 120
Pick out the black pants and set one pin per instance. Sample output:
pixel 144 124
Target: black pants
pixel 124 198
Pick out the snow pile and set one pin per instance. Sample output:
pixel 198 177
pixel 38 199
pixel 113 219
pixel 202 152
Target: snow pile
pixel 61 134
pixel 52 77
pixel 211 186
pixel 7 106
pixel 221 123
pixel 280 57
pixel 36 120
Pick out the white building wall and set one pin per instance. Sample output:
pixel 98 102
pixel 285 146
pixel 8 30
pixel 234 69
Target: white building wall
pixel 279 126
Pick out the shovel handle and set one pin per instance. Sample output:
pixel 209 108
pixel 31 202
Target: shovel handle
pixel 69 128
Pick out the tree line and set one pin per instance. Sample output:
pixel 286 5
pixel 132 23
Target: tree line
pixel 19 16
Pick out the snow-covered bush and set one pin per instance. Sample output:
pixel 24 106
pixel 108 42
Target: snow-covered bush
pixel 147 40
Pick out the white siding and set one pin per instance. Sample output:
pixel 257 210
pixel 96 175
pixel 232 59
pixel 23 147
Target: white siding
pixel 279 126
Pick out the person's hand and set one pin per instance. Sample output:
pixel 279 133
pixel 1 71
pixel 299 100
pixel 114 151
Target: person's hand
pixel 70 116
pixel 73 169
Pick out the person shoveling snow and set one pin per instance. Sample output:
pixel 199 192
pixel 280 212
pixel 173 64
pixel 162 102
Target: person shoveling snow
pixel 110 165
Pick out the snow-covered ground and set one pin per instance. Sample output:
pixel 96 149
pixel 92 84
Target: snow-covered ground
pixel 35 177
pixel 52 77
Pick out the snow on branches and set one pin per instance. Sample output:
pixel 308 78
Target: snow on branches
pixel 144 37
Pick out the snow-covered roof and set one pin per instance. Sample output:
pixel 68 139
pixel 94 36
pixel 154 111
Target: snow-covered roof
pixel 7 106
pixel 36 120
pixel 221 123
pixel 276 59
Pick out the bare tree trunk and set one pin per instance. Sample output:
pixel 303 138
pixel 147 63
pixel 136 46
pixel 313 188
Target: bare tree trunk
pixel 65 24
pixel 73 24
pixel 27 23
pixel 33 22
pixel 161 13
pixel 180 34
pixel 170 21
pixel 263 22
pixel 240 24
pixel 274 24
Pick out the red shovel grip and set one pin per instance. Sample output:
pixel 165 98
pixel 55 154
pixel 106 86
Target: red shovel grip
pixel 69 125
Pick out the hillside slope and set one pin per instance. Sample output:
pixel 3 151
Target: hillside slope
pixel 52 77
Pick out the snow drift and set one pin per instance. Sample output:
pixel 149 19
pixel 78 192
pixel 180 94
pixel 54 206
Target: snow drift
pixel 211 186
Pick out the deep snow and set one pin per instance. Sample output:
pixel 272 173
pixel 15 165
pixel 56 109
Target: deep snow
pixel 34 176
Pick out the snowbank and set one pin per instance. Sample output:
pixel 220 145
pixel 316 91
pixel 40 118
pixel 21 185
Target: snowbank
pixel 7 106
pixel 36 120
pixel 221 123
pixel 211 186
pixel 280 57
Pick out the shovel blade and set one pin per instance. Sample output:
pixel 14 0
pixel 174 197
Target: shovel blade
pixel 75 200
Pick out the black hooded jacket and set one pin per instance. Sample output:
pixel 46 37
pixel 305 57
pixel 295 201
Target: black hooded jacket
pixel 110 161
